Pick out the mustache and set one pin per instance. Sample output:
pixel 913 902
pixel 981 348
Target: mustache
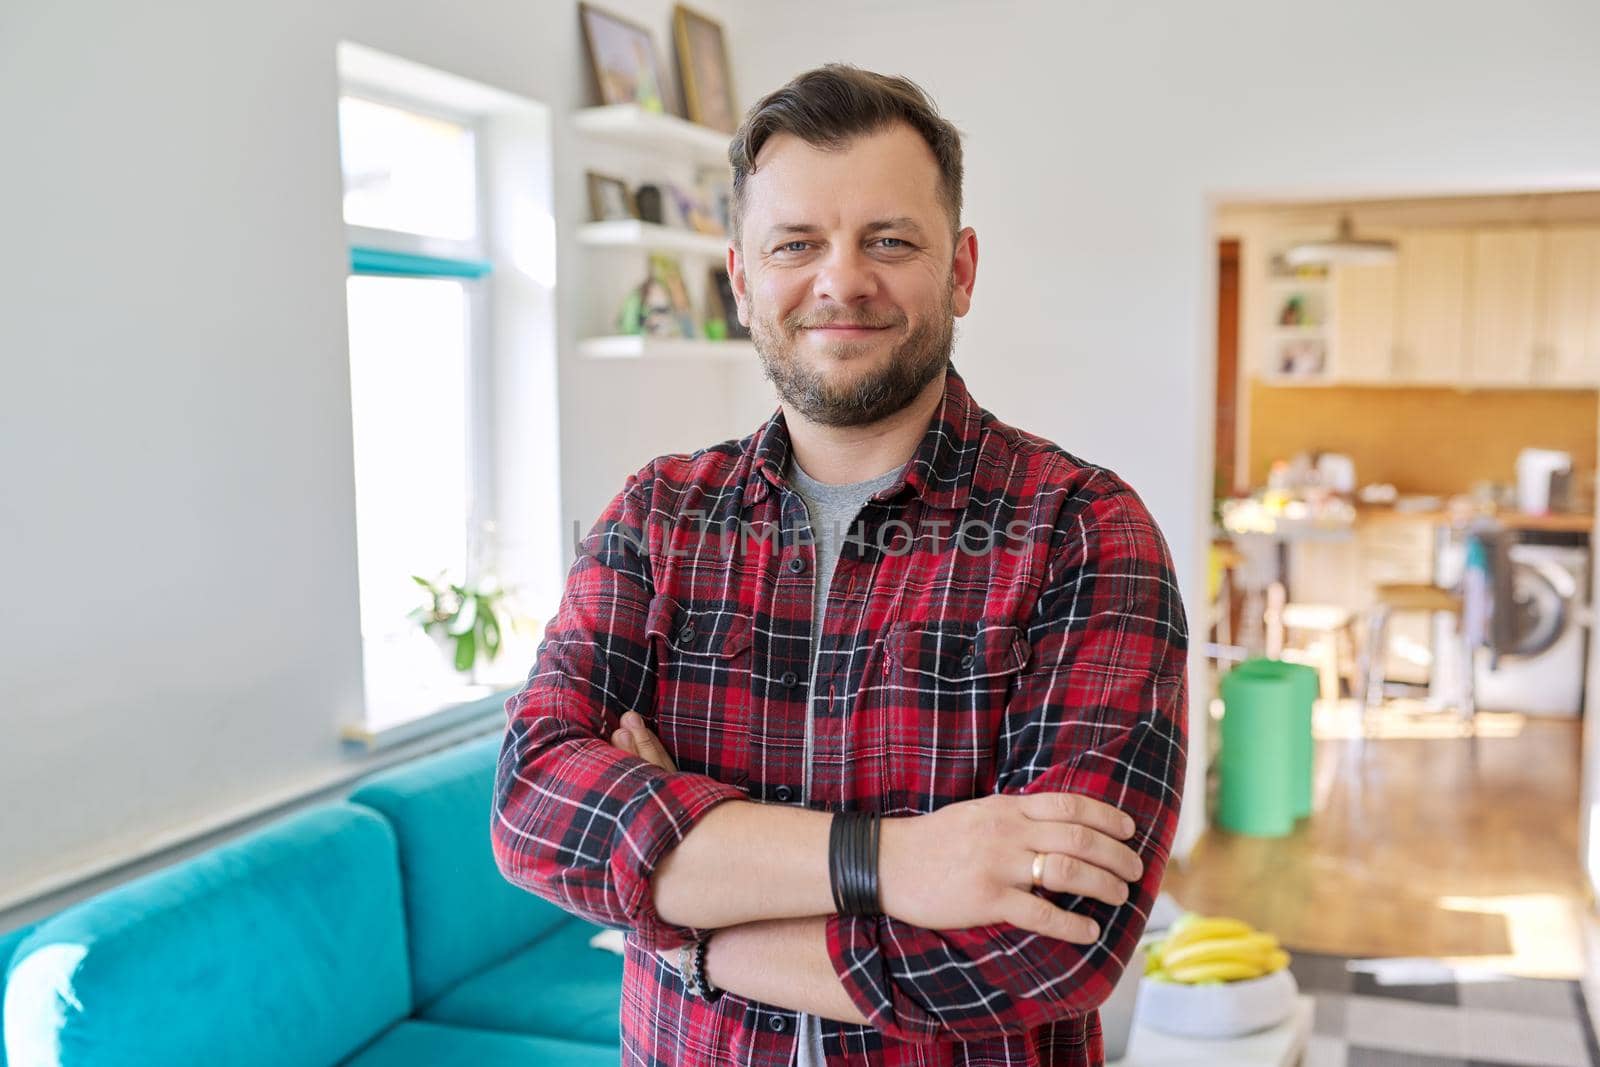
pixel 800 323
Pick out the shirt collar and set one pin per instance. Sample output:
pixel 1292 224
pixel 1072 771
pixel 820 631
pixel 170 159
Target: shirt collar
pixel 939 471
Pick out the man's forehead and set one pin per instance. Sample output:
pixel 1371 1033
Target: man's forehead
pixel 890 174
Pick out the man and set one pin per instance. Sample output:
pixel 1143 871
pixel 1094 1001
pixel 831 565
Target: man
pixel 884 600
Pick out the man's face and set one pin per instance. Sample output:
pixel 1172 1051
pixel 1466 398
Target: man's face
pixel 847 275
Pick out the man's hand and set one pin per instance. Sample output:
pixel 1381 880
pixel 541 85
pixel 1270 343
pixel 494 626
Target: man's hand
pixel 635 737
pixel 971 863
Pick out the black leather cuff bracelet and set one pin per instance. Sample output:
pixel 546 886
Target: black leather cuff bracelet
pixel 853 862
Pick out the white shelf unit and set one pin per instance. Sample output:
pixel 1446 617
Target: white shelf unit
pixel 633 126
pixel 652 237
pixel 636 346
pixel 664 147
pixel 1315 295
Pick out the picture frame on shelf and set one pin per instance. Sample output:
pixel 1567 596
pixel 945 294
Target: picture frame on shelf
pixel 622 59
pixel 715 195
pixel 703 70
pixel 1302 357
pixel 722 207
pixel 609 198
pixel 663 306
pixel 693 212
pixel 725 306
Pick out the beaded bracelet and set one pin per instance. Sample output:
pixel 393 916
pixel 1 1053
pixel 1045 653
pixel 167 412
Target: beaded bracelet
pixel 692 965
pixel 702 981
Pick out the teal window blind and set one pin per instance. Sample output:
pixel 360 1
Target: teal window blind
pixel 381 261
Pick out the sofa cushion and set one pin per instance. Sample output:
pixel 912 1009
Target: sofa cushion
pixel 461 913
pixel 419 1044
pixel 559 985
pixel 284 946
pixel 8 943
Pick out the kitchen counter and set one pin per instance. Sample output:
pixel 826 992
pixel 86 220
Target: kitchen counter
pixel 1519 520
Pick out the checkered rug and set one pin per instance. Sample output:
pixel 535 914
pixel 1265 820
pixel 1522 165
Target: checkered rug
pixel 1424 1013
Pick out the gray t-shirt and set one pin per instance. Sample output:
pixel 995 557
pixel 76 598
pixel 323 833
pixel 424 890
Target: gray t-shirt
pixel 832 510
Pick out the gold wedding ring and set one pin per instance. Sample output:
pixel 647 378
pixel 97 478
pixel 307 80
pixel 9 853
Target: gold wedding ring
pixel 1038 869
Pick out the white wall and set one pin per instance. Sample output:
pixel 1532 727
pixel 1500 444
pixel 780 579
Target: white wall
pixel 1098 131
pixel 177 527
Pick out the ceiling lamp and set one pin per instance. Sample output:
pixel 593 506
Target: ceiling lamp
pixel 1344 248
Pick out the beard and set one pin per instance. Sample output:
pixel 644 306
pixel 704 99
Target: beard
pixel 866 398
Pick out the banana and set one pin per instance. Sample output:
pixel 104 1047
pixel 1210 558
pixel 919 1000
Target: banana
pixel 1219 970
pixel 1251 947
pixel 1201 928
pixel 1200 948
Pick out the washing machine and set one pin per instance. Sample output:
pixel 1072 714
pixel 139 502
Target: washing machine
pixel 1540 666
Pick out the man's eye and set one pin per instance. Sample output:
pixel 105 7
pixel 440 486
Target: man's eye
pixel 897 245
pixel 793 246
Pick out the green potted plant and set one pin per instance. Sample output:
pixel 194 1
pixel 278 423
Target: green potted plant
pixel 462 618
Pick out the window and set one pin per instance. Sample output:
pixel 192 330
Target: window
pixel 406 171
pixel 417 303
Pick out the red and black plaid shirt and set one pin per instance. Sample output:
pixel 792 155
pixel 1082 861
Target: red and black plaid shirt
pixel 1005 620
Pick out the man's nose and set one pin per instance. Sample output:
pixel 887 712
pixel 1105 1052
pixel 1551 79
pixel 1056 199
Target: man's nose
pixel 845 276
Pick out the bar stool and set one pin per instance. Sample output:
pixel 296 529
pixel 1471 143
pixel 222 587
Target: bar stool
pixel 1393 597
pixel 1224 558
pixel 1333 625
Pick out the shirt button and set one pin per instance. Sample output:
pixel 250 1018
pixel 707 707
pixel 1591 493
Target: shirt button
pixel 789 678
pixel 778 1023
pixel 784 792
pixel 797 564
pixel 966 661
pixel 686 634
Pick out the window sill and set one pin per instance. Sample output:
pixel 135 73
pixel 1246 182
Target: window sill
pixel 465 708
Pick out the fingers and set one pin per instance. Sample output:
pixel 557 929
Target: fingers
pixel 1068 874
pixel 1088 844
pixel 1033 912
pixel 1075 807
pixel 635 737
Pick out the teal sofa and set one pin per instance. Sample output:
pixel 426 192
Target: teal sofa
pixel 372 932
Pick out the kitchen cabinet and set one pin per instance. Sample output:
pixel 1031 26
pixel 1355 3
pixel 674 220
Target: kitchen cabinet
pixel 1431 308
pixel 1568 348
pixel 1486 306
pixel 1364 325
pixel 1504 304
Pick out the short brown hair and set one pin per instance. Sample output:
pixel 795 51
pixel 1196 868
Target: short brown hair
pixel 827 107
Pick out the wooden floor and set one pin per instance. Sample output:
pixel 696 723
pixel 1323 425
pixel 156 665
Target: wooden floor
pixel 1417 851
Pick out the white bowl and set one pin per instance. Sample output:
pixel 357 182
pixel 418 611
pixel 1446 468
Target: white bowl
pixel 1229 1009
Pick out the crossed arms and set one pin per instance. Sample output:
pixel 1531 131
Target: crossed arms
pixel 624 842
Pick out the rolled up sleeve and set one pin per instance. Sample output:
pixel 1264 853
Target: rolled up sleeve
pixel 576 820
pixel 1100 710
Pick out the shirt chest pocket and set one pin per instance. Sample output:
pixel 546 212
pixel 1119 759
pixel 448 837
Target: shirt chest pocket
pixel 945 691
pixel 702 707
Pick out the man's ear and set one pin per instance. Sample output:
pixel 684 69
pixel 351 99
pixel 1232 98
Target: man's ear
pixel 964 270
pixel 736 277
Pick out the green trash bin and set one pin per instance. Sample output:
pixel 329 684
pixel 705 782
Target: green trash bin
pixel 1303 754
pixel 1256 763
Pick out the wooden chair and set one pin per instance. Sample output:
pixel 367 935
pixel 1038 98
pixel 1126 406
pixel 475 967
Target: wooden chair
pixel 1393 597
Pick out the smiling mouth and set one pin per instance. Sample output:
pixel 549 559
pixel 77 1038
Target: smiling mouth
pixel 847 331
